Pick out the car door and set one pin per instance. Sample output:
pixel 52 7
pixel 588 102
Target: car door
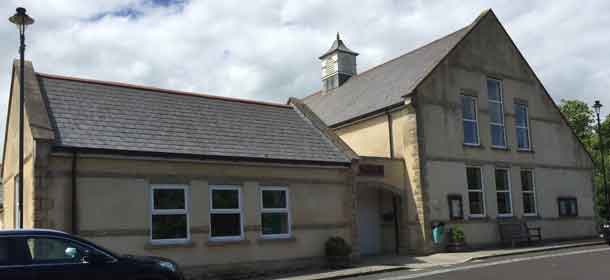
pixel 13 261
pixel 60 258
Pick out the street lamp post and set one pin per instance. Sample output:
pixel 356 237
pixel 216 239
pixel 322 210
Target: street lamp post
pixel 598 106
pixel 22 20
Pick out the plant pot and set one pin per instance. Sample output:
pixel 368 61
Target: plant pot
pixel 338 262
pixel 457 247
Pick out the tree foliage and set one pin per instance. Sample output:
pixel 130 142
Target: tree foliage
pixel 580 117
pixel 583 121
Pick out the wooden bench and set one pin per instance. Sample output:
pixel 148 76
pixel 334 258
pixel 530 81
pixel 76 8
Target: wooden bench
pixel 518 231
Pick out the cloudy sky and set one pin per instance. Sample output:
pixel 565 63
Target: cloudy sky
pixel 267 50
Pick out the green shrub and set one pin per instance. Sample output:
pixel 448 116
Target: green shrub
pixel 457 234
pixel 337 247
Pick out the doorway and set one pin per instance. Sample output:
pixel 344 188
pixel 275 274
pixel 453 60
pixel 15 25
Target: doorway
pixel 369 221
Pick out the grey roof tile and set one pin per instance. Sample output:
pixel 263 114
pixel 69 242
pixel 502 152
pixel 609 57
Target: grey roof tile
pixel 382 86
pixel 99 115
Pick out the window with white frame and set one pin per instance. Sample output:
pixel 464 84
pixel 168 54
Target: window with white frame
pixel 522 126
pixel 528 192
pixel 475 192
pixel 275 212
pixel 469 117
pixel 226 221
pixel 169 221
pixel 496 113
pixel 503 196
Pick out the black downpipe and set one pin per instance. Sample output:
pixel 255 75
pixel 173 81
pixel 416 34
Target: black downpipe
pixel 396 229
pixel 394 198
pixel 391 134
pixel 74 196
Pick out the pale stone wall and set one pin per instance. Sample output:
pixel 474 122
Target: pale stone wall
pixel 560 164
pixel 114 206
pixel 368 138
pixel 11 165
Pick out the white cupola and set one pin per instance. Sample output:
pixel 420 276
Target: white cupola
pixel 338 65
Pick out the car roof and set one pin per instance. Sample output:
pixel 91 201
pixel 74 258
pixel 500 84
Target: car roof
pixel 34 231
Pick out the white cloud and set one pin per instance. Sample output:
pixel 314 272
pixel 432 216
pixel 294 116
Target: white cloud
pixel 268 50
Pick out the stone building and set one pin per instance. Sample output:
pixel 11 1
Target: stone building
pixel 459 131
pixel 475 128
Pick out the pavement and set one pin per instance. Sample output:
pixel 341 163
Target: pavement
pixel 386 264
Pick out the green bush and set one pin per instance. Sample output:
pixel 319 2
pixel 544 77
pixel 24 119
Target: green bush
pixel 337 247
pixel 457 234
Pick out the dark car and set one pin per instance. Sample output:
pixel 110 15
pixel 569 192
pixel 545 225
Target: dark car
pixel 47 254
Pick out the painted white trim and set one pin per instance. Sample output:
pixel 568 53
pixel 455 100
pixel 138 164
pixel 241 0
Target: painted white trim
pixel 474 101
pixel 501 102
pixel 509 191
pixel 276 210
pixel 185 211
pixel 239 211
pixel 482 191
pixel 533 192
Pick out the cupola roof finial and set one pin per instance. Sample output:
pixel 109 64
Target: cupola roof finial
pixel 338 46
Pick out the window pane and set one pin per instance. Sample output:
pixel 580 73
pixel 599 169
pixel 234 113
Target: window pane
pixel 225 199
pixel 49 250
pixel 523 141
pixel 495 113
pixel 274 199
pixel 568 207
pixel 527 180
pixel 573 207
pixel 275 223
pixel 4 250
pixel 497 136
pixel 10 254
pixel 470 133
pixel 504 206
pixel 501 179
pixel 468 108
pixel 225 225
pixel 529 203
pixel 169 199
pixel 474 178
pixel 476 203
pixel 563 207
pixel 169 226
pixel 521 115
pixel 493 90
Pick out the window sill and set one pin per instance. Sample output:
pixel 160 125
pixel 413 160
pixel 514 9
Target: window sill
pixel 221 243
pixel 267 240
pixel 478 218
pixel 505 149
pixel 525 151
pixel 155 245
pixel 475 146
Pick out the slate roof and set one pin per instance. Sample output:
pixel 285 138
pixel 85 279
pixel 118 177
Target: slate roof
pixel 384 85
pixel 338 45
pixel 96 115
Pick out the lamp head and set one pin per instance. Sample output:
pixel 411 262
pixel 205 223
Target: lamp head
pixel 21 19
pixel 597 106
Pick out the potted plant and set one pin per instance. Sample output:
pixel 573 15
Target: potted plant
pixel 337 252
pixel 457 240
